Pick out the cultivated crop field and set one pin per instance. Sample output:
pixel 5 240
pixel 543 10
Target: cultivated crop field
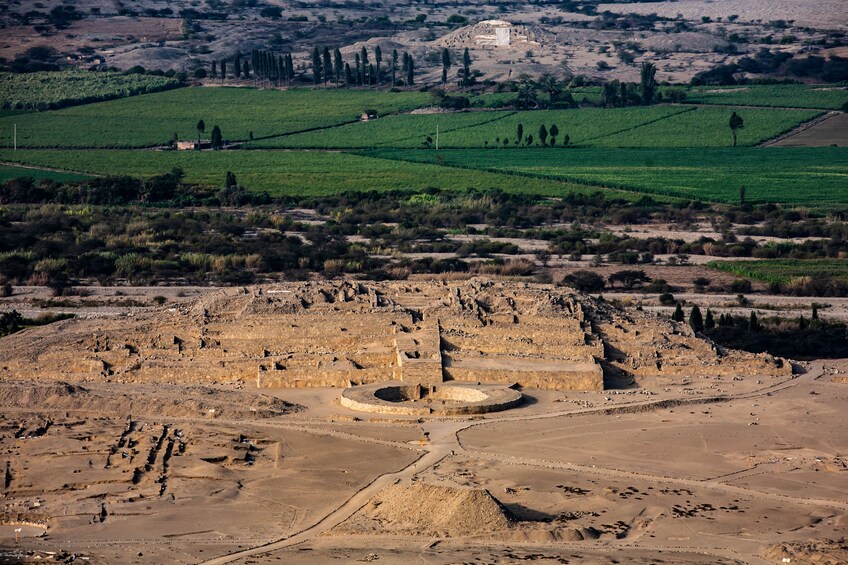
pixel 11 172
pixel 282 173
pixel 152 119
pixel 652 126
pixel 707 127
pixel 813 176
pixel 677 151
pixel 784 271
pixel 822 96
pixel 47 90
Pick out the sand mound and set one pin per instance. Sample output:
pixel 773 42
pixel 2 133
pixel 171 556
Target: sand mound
pixel 430 510
pixel 824 552
pixel 165 401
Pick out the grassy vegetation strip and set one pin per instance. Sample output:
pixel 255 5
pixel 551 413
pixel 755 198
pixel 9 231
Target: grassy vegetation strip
pixel 708 127
pixel 784 271
pixel 808 176
pixel 282 173
pixel 51 90
pixel 820 96
pixel 10 172
pixel 153 119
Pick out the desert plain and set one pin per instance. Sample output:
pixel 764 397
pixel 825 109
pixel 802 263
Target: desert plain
pixel 702 462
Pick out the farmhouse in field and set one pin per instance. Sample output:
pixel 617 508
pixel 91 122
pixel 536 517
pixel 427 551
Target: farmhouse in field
pixel 190 145
pixel 204 144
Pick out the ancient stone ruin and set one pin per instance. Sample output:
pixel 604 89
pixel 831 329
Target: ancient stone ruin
pixel 342 334
pixel 498 34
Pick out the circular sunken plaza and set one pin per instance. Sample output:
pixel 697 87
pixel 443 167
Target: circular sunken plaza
pixel 454 399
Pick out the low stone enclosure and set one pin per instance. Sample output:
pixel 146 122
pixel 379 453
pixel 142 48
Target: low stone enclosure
pixel 343 334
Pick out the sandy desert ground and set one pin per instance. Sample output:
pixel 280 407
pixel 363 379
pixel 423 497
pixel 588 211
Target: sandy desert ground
pixel 732 469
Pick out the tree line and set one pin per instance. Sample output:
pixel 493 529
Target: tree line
pixel 326 67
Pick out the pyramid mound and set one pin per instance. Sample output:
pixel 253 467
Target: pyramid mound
pixel 497 34
pixel 340 334
pixel 430 510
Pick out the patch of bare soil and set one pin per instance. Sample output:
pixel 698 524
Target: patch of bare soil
pixel 832 131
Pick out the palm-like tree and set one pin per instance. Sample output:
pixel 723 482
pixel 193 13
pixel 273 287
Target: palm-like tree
pixel 648 81
pixel 549 84
pixel 527 96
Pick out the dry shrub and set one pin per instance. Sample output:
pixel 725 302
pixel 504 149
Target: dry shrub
pixel 399 272
pixel 513 268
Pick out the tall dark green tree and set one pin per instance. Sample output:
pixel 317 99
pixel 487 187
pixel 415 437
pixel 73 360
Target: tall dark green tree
pixel 519 134
pixel 217 138
pixel 736 123
pixel 410 71
pixel 223 70
pixel 338 64
pixel 709 321
pixel 348 75
pixel 245 69
pixel 363 55
pixel 648 82
pixel 446 65
pixel 358 62
pixel 696 321
pixel 316 66
pixel 201 128
pixel 214 69
pixel 543 135
pixel 231 180
pixel 678 313
pixel 289 67
pixel 554 131
pixel 378 58
pixel 466 78
pixel 394 66
pixel 328 65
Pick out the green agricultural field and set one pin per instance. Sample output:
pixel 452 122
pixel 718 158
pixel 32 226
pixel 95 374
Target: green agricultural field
pixel 46 90
pixel 406 130
pixel 708 127
pixel 821 96
pixel 283 173
pixel 9 172
pixel 652 126
pixel 806 176
pixel 476 129
pixel 152 119
pixel 784 271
